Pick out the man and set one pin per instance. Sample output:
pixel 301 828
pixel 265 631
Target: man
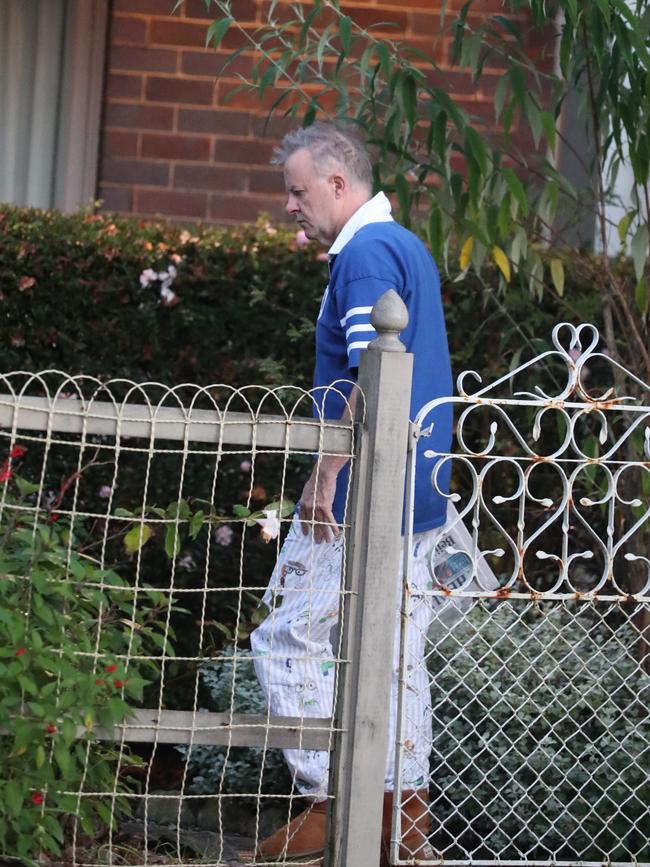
pixel 328 179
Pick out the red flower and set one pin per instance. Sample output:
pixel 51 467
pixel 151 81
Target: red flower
pixel 51 729
pixel 37 798
pixel 21 651
pixel 118 684
pixel 5 473
pixel 17 452
pixel 99 682
pixel 53 517
pixel 111 668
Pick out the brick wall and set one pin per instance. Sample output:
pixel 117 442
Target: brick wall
pixel 172 146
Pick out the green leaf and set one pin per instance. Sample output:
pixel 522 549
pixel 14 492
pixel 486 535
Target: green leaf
pixel 25 487
pixel 516 188
pixel 137 537
pixel 217 30
pixel 39 756
pixel 403 197
pixel 172 541
pixel 435 233
pixel 240 511
pixel 123 513
pixel 548 125
pixel 179 510
pixel 566 47
pixel 557 275
pixel 639 250
pixel 69 731
pixel 196 523
pixel 13 795
pixel 476 148
pixel 500 96
pixel 63 758
pixel 641 296
pixel 283 507
pixel 624 225
pixel 345 34
pixel 310 114
pixel 407 92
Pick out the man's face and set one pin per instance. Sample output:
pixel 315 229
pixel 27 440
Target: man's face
pixel 311 198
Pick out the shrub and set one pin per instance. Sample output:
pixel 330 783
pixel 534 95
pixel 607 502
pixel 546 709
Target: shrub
pixel 86 293
pixel 71 642
pixel 540 747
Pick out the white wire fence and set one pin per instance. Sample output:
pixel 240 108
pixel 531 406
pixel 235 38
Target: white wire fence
pixel 161 512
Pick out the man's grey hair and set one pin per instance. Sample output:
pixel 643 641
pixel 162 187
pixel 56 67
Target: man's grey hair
pixel 329 145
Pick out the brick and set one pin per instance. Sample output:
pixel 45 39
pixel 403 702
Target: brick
pixel 116 198
pixel 183 90
pixel 116 143
pixel 171 203
pixel 136 116
pixel 214 63
pixel 169 31
pixel 244 208
pixel 142 59
pixel 424 24
pixel 374 17
pixel 139 172
pixel 214 121
pixel 246 10
pixel 123 86
pixel 175 147
pixel 124 28
pixel 240 150
pixel 422 4
pixel 274 127
pixel 209 178
pixel 452 81
pixel 245 100
pixel 148 7
pixel 267 181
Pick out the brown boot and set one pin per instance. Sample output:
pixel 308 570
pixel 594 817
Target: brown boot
pixel 302 838
pixel 414 842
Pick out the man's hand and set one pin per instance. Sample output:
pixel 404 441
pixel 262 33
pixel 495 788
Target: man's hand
pixel 317 498
pixel 316 503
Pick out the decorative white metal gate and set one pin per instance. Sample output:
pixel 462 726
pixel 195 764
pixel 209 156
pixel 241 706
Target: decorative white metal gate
pixel 540 686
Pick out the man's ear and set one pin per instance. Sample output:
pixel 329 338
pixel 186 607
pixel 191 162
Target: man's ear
pixel 339 183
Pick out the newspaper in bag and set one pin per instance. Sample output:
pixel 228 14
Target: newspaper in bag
pixel 450 567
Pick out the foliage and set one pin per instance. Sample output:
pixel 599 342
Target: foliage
pixel 230 684
pixel 483 197
pixel 531 729
pixel 70 641
pixel 86 293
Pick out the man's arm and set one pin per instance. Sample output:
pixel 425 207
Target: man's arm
pixel 317 496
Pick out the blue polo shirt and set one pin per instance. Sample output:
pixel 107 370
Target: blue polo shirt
pixel 381 256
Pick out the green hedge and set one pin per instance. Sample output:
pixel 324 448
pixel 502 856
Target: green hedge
pixel 243 310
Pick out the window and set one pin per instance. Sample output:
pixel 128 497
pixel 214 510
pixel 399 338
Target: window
pixel 51 73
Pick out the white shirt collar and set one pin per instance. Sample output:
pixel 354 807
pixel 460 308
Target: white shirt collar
pixel 375 210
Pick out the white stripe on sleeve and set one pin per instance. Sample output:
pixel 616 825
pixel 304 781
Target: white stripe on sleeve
pixel 358 344
pixel 354 328
pixel 354 311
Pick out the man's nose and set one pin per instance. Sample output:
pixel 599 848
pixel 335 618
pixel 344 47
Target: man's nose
pixel 292 205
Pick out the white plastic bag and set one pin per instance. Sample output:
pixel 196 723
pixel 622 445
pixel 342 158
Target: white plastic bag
pixel 450 564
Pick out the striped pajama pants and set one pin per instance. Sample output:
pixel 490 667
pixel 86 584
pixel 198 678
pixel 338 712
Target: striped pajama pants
pixel 294 657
